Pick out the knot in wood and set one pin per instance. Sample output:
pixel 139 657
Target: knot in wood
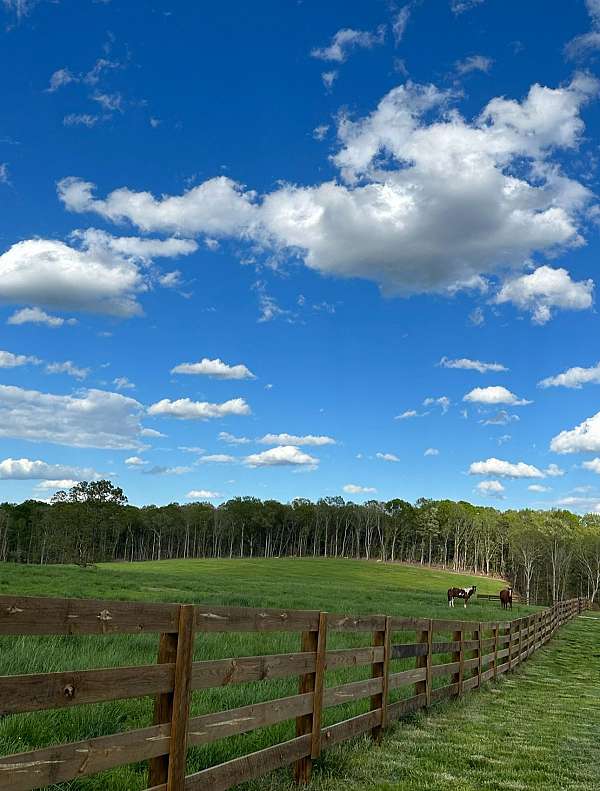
pixel 69 691
pixel 104 615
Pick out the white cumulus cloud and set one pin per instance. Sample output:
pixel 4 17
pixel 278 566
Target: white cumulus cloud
pixel 280 456
pixel 573 378
pixel 593 465
pixel 36 470
pixel 38 316
pixel 186 409
pixel 203 494
pixel 294 439
pixel 505 469
pixel 584 437
pixel 353 488
pixel 491 489
pixel 231 439
pixel 431 452
pixel 89 419
pixel 428 201
pixel 544 290
pixel 214 368
pixel 10 360
pixel 493 396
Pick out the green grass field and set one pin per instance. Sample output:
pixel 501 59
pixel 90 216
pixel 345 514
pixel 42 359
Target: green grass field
pixel 348 586
pixel 537 729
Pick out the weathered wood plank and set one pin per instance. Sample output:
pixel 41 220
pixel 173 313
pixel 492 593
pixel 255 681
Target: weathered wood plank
pixel 211 618
pixel 347 729
pixel 355 690
pixel 39 615
pixel 353 657
pixel 407 650
pixel 222 672
pixel 208 728
pixel 444 648
pixel 444 670
pixel 39 691
pixel 356 623
pixel 64 762
pixel 407 677
pixel 249 767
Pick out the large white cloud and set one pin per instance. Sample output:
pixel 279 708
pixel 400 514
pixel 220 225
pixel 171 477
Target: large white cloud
pixel 36 470
pixel 430 201
pixel 574 378
pixel 544 290
pixel 505 469
pixel 186 409
pixel 294 439
pixel 102 274
pixel 217 207
pixel 281 456
pixel 584 437
pixel 215 368
pixel 493 396
pixel 90 419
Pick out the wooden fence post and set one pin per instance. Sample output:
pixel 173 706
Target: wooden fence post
pixel 382 670
pixel 495 630
pixel 181 698
pixel 479 653
pixel 458 656
pixel 424 687
pixel 317 714
pixel 510 629
pixel 158 768
pixel 304 724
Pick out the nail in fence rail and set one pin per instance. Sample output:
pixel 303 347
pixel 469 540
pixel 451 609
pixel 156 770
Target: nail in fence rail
pixel 478 652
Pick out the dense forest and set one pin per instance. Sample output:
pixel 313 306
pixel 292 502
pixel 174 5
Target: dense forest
pixel 547 555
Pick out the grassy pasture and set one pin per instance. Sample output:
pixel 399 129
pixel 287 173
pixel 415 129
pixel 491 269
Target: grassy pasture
pixel 535 730
pixel 335 585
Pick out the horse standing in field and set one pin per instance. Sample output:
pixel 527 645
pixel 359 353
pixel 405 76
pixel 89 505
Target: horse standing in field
pixel 506 598
pixel 460 593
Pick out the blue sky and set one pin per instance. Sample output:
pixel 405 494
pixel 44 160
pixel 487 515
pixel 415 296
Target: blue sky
pixel 295 249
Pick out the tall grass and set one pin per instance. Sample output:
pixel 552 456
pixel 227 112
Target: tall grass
pixel 334 585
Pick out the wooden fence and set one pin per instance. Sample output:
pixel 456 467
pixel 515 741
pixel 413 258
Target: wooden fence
pixel 478 652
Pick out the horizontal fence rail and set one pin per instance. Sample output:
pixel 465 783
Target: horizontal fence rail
pixel 478 652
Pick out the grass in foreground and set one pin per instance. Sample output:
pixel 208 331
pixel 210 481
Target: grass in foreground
pixel 354 587
pixel 537 729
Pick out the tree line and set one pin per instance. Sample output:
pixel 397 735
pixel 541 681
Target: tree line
pixel 546 555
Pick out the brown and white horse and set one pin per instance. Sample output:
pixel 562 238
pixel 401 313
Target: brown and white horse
pixel 506 598
pixel 460 593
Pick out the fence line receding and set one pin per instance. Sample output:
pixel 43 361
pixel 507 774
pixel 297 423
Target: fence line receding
pixel 479 652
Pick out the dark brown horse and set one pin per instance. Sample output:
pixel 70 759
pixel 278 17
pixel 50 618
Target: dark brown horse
pixel 460 593
pixel 506 598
